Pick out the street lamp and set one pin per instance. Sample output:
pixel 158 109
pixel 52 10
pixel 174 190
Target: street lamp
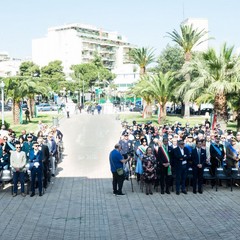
pixel 2 88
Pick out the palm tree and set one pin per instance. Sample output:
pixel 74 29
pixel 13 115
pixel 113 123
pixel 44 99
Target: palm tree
pixel 138 90
pixel 187 40
pixel 142 57
pixel 217 76
pixel 159 87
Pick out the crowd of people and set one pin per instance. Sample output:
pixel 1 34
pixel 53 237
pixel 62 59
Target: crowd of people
pixel 161 156
pixel 30 156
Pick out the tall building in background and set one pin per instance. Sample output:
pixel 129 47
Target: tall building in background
pixel 200 24
pixel 77 43
pixel 9 66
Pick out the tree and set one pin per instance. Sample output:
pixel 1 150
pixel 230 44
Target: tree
pixel 53 75
pixel 142 57
pixel 29 69
pixel 171 59
pixel 187 40
pixel 216 77
pixel 159 87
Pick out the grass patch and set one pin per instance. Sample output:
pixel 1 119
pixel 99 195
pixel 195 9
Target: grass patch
pixel 46 118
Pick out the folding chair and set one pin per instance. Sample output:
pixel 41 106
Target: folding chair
pixel 208 176
pixel 221 175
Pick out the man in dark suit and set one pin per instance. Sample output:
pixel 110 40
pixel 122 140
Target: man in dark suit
pixel 217 154
pixel 181 158
pixel 45 160
pixel 35 166
pixel 198 164
pixel 164 159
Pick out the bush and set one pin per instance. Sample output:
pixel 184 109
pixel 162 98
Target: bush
pixel 7 125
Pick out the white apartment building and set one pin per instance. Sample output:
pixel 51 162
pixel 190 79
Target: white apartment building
pixel 77 43
pixel 8 66
pixel 200 24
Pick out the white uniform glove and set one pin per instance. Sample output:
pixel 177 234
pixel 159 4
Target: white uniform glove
pixel 27 165
pixel 36 164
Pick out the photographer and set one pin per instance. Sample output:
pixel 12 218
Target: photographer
pixel 116 163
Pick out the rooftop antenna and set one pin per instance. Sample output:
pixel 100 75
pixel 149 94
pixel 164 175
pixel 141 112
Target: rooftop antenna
pixel 183 11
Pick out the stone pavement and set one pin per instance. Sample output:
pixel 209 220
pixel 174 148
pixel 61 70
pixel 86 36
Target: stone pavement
pixel 79 203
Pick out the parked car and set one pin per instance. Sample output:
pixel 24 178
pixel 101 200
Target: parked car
pixel 44 107
pixel 204 110
pixel 137 108
pixel 6 108
pixel 24 106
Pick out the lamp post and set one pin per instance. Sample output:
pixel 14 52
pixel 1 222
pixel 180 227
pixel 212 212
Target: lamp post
pixel 2 88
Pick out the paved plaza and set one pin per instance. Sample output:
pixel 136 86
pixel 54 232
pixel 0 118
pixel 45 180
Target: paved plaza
pixel 79 203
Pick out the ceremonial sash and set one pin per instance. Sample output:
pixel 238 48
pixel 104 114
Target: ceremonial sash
pixel 217 150
pixel 142 149
pixel 165 153
pixel 234 151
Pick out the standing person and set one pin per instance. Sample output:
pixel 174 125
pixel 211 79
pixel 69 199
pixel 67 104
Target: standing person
pixel 149 170
pixel 164 162
pixel 68 111
pixel 140 153
pixel 35 166
pixel 232 154
pixel 45 160
pixel 18 161
pixel 199 158
pixel 27 146
pixel 181 158
pixel 217 154
pixel 27 115
pixel 116 162
pixel 52 146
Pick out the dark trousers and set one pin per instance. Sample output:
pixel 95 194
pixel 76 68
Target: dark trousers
pixel 36 172
pixel 117 182
pixel 197 178
pixel 21 177
pixel 164 178
pixel 181 175
pixel 45 173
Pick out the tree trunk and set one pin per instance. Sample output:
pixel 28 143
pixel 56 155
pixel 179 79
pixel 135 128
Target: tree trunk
pixel 220 109
pixel 238 120
pixel 162 112
pixel 31 106
pixel 16 112
pixel 186 109
pixel 147 111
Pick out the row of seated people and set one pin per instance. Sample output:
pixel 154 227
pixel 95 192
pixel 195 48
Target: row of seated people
pixel 31 158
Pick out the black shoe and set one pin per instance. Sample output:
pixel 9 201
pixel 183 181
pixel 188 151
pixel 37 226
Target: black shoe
pixel 162 192
pixel 167 192
pixel 40 194
pixel 194 191
pixel 200 191
pixel 147 193
pixel 115 193
pixel 178 193
pixel 53 175
pixel 151 193
pixel 32 194
pixel 120 194
pixel 184 191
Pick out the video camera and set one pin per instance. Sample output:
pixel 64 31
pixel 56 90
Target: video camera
pixel 129 153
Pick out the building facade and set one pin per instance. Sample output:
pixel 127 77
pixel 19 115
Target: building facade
pixel 200 24
pixel 77 43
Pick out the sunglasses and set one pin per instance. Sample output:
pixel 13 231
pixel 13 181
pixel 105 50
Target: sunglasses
pixel 18 147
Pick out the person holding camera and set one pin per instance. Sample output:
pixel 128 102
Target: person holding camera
pixel 116 164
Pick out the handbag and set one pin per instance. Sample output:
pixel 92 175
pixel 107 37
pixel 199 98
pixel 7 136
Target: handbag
pixel 120 171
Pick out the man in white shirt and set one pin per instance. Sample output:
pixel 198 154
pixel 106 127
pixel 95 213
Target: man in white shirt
pixel 18 161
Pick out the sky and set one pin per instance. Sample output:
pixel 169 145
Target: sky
pixel 144 23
